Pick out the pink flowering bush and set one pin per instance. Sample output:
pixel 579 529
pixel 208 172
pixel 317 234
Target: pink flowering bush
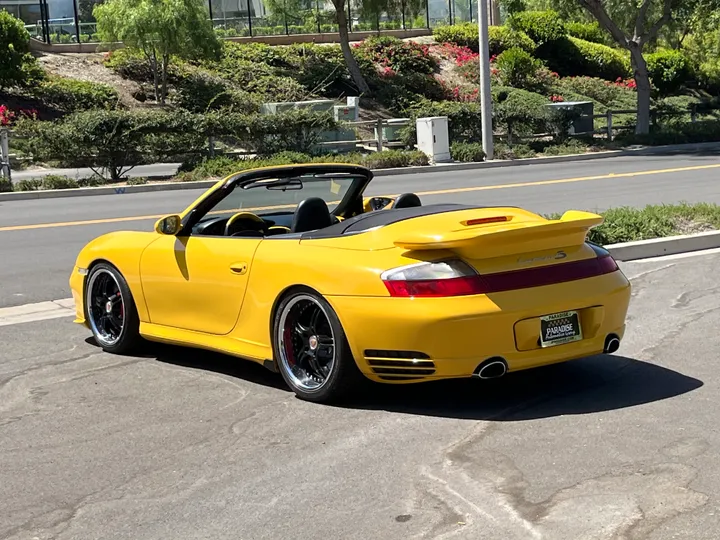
pixel 400 56
pixel 8 116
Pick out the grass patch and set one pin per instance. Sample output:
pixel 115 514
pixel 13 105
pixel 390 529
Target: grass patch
pixel 626 224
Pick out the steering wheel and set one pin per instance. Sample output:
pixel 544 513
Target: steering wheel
pixel 378 203
pixel 244 221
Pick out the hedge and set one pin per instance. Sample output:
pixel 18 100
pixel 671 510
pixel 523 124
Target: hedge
pixel 116 140
pixel 501 38
pixel 222 166
pixel 669 70
pixel 73 95
pixel 587 31
pixel 569 56
pixel 541 26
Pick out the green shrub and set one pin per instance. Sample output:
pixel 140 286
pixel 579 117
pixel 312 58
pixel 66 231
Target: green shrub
pixel 255 53
pixel 541 26
pixel 298 130
pixel 587 31
pixel 518 69
pixel 113 139
pixel 320 68
pixel 519 112
pixel 393 159
pixel 201 91
pixel 129 65
pixel 573 57
pixel 464 35
pixel 467 152
pixel 699 132
pixel 222 166
pixel 276 89
pixel 708 75
pixel 29 184
pixel 137 181
pixel 73 95
pixel 500 38
pixel 669 70
pixel 674 106
pixel 51 181
pixel 600 90
pixel 58 182
pixel 400 56
pixel 18 66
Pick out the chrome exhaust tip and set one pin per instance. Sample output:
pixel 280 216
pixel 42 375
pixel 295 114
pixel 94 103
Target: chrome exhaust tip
pixel 492 368
pixel 612 344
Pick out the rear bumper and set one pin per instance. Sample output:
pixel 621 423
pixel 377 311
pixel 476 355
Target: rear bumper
pixel 415 339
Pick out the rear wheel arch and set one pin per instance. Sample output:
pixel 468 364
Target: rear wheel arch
pixel 345 378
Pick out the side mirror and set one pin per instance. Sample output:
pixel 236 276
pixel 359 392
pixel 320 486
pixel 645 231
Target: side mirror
pixel 169 225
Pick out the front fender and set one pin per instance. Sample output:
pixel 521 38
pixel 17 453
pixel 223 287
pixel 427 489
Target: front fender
pixel 122 249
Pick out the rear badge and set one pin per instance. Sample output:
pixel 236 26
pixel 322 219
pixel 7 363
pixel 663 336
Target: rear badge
pixel 559 255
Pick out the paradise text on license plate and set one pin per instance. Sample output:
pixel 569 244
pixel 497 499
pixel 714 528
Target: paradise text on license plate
pixel 560 328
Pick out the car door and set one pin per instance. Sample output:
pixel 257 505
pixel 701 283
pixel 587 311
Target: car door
pixel 197 282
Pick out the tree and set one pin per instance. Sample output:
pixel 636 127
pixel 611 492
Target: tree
pixel 352 64
pixel 159 29
pixel 17 64
pixel 633 25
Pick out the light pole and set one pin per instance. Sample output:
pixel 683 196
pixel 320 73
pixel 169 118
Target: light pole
pixel 485 95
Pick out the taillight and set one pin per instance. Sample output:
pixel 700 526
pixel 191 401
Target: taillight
pixel 432 279
pixel 456 278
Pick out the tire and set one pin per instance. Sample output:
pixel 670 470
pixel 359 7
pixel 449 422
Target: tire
pixel 110 310
pixel 302 360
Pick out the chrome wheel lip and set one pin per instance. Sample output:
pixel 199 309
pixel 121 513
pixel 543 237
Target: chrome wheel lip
pixel 304 383
pixel 103 338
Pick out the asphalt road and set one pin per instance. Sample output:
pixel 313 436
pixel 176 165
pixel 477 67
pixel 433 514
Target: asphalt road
pixel 187 444
pixel 39 245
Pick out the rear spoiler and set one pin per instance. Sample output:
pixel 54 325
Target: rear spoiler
pixel 506 237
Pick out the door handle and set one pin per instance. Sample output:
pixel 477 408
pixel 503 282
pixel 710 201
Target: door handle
pixel 238 268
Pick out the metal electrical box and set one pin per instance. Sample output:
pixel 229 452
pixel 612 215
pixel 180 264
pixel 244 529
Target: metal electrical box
pixel 584 124
pixel 344 113
pixel 433 138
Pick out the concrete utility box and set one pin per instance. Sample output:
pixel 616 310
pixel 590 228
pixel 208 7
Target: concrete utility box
pixel 317 105
pixel 584 124
pixel 391 132
pixel 275 108
pixel 433 138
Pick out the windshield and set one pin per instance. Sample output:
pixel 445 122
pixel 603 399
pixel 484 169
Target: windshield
pixel 273 194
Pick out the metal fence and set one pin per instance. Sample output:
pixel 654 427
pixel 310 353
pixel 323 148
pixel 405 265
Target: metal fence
pixel 257 18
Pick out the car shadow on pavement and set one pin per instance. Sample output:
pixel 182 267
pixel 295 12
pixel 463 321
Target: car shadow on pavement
pixel 589 385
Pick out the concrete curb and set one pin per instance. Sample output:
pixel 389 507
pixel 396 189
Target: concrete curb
pixel 658 247
pixel 438 168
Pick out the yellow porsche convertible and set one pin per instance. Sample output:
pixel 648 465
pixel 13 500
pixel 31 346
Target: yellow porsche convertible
pixel 297 269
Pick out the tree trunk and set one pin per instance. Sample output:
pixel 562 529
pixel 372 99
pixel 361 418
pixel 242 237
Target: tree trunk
pixel 352 64
pixel 156 75
pixel 165 62
pixel 642 80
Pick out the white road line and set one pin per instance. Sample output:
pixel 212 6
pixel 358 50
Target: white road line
pixel 40 311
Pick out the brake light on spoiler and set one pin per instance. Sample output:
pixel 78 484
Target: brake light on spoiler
pixel 456 278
